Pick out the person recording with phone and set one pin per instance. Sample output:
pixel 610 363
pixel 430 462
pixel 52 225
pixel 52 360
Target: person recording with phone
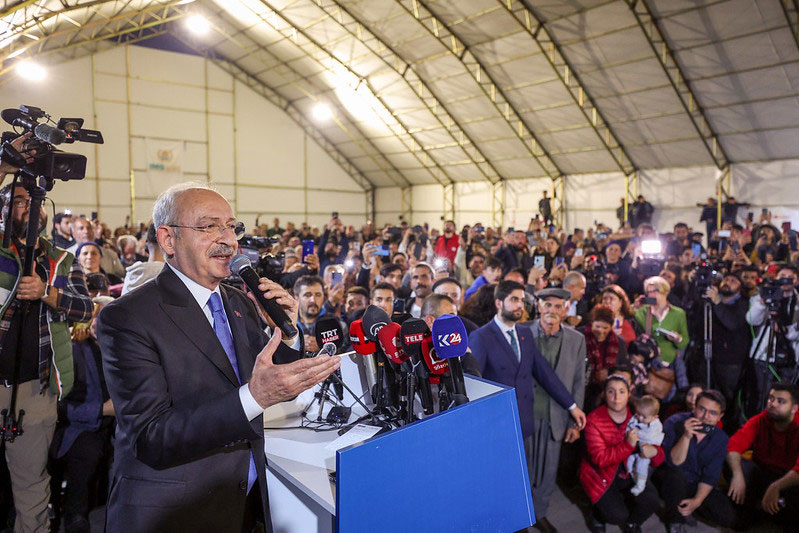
pixel 695 449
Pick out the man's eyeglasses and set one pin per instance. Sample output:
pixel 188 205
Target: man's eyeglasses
pixel 22 202
pixel 216 230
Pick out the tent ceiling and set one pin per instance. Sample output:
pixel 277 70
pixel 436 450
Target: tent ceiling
pixel 441 91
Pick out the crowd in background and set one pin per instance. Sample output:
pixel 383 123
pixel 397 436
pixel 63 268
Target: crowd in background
pixel 684 343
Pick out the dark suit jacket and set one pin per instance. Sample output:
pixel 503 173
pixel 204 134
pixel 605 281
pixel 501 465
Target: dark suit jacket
pixel 183 441
pixel 498 363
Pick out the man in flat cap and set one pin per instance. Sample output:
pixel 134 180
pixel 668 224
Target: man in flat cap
pixel 564 350
pixel 506 352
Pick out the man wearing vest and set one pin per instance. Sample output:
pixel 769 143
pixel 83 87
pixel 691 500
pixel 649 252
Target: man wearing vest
pixel 38 332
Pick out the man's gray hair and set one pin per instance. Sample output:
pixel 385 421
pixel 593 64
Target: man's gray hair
pixel 165 209
pixel 572 278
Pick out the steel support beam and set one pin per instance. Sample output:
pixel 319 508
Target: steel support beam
pixel 406 204
pixel 439 29
pixel 413 80
pixel 498 205
pixel 293 34
pixel 723 193
pixel 549 48
pixel 668 61
pixel 559 197
pixel 448 212
pixel 791 10
pixel 630 192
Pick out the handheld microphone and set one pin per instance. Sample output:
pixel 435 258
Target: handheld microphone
pixel 412 332
pixel 44 132
pixel 450 341
pixel 241 265
pixel 328 333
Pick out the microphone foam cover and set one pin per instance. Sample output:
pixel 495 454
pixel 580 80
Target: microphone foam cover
pixel 412 333
pixel 328 329
pixel 238 262
pixel 388 337
pixel 434 364
pixel 358 340
pixel 449 337
pixel 374 318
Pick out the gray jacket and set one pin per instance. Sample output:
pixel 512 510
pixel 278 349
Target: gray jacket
pixel 571 372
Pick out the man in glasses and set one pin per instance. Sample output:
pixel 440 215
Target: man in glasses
pixel 35 351
pixel 190 370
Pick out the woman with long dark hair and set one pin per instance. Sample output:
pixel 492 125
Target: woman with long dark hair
pixel 603 474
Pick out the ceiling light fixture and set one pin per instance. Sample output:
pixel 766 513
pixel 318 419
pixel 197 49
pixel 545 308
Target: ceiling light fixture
pixel 31 71
pixel 322 112
pixel 198 25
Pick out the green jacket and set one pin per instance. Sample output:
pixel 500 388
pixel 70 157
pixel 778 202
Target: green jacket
pixel 74 304
pixel 673 321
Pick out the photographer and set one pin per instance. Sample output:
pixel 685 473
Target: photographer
pixel 36 335
pixel 731 336
pixel 773 307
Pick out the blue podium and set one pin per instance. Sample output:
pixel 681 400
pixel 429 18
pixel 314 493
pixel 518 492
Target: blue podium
pixel 460 470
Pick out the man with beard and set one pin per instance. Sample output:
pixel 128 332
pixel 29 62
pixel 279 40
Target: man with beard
pixel 507 353
pixel 447 244
pixel 35 352
pixel 770 480
pixel 749 279
pixel 731 339
pixel 421 286
pixel 62 230
pixel 310 293
pixel 564 350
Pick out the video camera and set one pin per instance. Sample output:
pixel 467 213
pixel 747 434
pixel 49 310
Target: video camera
pixel 49 163
pixel 771 291
pixel 258 250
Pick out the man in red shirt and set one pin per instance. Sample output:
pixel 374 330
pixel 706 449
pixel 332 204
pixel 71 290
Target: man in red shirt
pixel 770 481
pixel 447 245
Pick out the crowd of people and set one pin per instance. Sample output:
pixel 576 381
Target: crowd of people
pixel 666 360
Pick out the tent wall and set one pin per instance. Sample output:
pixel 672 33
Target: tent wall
pixel 674 193
pixel 230 136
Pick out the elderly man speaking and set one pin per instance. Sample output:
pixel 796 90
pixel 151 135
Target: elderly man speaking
pixel 190 369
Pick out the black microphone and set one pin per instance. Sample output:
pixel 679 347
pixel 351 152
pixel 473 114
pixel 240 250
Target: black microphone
pixel 327 331
pixel 44 132
pixel 412 332
pixel 241 265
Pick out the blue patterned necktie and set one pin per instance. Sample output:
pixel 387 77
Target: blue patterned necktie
pixel 222 330
pixel 514 345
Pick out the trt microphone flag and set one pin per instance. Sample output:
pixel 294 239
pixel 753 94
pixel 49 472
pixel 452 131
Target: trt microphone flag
pixel 328 329
pixel 449 337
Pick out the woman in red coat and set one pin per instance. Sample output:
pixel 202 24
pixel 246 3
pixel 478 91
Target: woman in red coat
pixel 602 471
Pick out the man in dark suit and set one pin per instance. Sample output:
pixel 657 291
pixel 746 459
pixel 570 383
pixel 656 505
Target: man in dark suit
pixel 190 371
pixel 507 353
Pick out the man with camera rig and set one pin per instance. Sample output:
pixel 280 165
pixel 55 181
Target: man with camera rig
pixel 35 353
pixel 731 338
pixel 773 308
